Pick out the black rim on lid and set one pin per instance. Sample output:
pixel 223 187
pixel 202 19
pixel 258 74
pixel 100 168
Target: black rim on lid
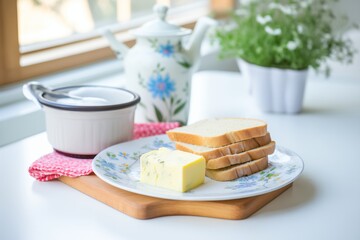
pixel 43 100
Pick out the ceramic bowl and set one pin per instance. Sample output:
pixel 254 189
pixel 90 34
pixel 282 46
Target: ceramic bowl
pixel 85 128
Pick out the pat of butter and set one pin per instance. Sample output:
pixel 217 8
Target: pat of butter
pixel 172 169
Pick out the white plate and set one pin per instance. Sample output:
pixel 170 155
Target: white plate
pixel 119 166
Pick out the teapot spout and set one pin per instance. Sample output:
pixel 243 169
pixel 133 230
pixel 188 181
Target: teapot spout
pixel 193 46
pixel 118 47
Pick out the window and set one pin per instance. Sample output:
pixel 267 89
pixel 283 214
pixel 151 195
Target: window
pixel 38 37
pixel 69 20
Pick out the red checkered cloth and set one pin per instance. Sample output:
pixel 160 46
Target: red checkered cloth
pixel 55 165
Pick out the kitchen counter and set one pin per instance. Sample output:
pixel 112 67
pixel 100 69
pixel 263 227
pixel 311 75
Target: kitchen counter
pixel 322 204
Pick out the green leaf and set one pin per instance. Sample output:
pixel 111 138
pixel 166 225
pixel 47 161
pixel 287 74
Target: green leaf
pixel 159 116
pixel 184 64
pixel 179 108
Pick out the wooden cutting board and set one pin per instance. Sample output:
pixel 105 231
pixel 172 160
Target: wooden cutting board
pixel 144 207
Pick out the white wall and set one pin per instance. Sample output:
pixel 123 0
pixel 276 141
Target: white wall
pixel 350 7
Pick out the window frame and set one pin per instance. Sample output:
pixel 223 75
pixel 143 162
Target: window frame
pixel 12 72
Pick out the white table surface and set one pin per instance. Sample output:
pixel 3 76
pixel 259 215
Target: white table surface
pixel 324 203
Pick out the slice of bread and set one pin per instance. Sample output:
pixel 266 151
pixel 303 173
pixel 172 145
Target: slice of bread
pixel 240 158
pixel 237 171
pixel 235 148
pixel 218 132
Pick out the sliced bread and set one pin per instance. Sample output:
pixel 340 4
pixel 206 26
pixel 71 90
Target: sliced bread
pixel 218 132
pixel 235 148
pixel 240 158
pixel 237 171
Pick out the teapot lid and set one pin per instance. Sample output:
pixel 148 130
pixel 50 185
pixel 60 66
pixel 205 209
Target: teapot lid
pixel 160 27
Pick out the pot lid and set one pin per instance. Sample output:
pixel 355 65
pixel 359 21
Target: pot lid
pixel 112 98
pixel 160 27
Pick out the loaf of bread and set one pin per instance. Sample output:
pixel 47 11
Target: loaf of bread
pixel 219 132
pixel 237 171
pixel 234 148
pixel 243 157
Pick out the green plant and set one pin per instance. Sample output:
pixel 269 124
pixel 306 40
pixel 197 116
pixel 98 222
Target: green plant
pixel 285 34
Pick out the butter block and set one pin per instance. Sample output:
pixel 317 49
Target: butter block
pixel 172 169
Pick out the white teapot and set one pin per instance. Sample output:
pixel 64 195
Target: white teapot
pixel 159 67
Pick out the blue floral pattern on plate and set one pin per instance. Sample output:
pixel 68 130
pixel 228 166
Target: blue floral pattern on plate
pixel 119 166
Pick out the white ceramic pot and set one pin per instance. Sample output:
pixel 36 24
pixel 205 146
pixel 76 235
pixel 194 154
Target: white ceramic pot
pixel 85 128
pixel 275 90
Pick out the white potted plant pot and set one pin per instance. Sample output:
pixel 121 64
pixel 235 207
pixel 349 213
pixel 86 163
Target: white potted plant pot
pixel 275 90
